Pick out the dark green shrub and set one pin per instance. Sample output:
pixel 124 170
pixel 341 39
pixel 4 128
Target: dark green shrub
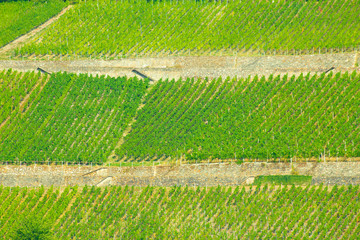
pixel 32 229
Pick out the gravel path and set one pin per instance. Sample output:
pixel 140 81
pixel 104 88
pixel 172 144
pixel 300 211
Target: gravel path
pixel 212 67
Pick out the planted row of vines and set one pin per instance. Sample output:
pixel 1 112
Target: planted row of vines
pixel 268 212
pixel 19 17
pixel 80 118
pixel 307 117
pixel 110 29
pixel 74 118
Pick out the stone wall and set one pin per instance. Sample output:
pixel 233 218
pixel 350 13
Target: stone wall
pixel 341 173
pixel 203 66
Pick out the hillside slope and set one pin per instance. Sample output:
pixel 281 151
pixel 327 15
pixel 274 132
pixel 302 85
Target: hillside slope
pixel 74 118
pixel 278 117
pixel 115 29
pixel 186 213
pixel 19 17
pixel 68 117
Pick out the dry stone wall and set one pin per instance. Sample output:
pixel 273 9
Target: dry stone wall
pixel 341 173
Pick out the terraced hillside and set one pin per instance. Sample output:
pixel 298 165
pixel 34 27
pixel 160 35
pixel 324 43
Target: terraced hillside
pixel 73 118
pixel 15 89
pixel 279 117
pixel 111 29
pixel 19 17
pixel 186 213
pixel 65 117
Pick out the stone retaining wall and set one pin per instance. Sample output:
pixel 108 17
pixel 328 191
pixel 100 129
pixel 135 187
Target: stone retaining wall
pixel 341 173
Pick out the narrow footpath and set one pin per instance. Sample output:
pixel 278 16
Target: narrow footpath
pixel 205 66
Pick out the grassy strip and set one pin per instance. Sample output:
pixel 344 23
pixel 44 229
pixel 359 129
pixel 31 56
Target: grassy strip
pixel 283 179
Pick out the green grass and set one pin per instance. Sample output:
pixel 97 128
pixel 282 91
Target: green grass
pixel 111 29
pixel 283 180
pixel 266 212
pixel 19 17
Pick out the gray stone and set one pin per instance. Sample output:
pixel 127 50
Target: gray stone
pixel 329 173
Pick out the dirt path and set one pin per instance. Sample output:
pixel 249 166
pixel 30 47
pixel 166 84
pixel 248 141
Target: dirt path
pixel 211 67
pixel 328 173
pixel 20 40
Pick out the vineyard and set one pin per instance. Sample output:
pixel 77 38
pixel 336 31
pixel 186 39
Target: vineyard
pixel 81 118
pixel 107 127
pixel 109 29
pixel 73 118
pixel 309 116
pixel 14 87
pixel 269 212
pixel 19 17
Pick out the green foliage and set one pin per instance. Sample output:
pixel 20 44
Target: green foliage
pixel 128 28
pixel 31 211
pixel 14 87
pixel 262 212
pixel 283 179
pixel 32 229
pixel 312 116
pixel 81 118
pixel 74 118
pixel 19 17
pixel 239 161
